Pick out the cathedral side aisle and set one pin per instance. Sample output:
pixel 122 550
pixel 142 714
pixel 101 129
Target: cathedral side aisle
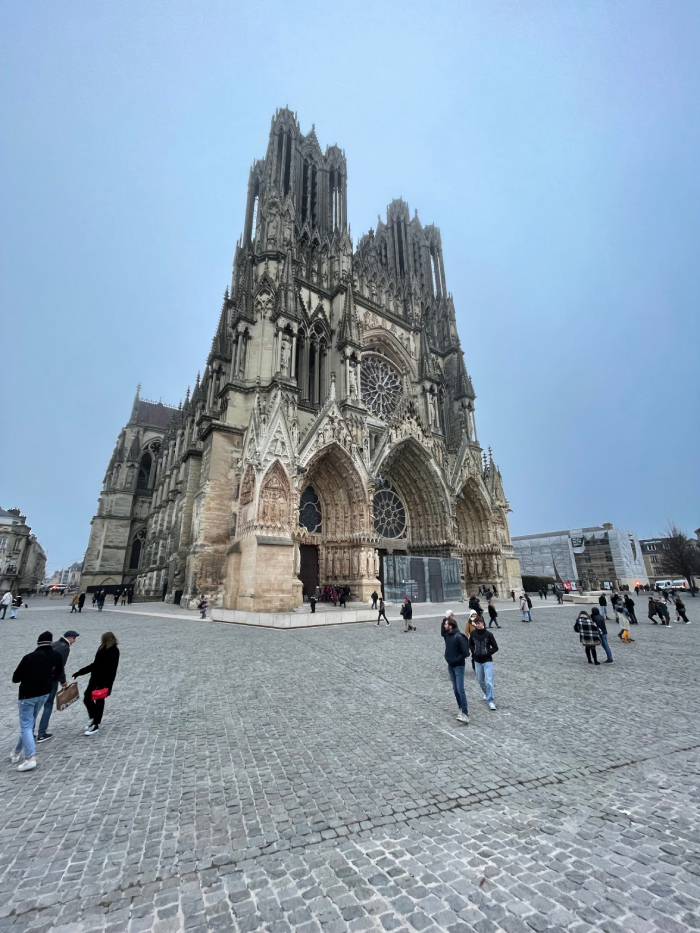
pixel 331 439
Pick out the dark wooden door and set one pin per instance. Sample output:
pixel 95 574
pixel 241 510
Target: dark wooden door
pixel 435 573
pixel 418 578
pixel 308 561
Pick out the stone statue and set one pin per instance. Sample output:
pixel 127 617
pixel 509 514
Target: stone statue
pixel 479 567
pixel 285 356
pixel 470 567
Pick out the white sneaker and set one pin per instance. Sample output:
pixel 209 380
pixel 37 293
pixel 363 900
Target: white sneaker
pixel 483 696
pixel 28 765
pixel 15 757
pixel 463 717
pixel 91 729
pixel 492 705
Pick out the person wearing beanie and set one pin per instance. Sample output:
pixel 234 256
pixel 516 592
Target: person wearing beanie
pixel 62 647
pixel 35 675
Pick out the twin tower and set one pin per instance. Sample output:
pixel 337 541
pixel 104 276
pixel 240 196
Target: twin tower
pixel 331 438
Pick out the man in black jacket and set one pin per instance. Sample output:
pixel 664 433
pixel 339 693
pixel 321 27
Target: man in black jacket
pixel 456 653
pixel 62 647
pixel 35 675
pixel 483 646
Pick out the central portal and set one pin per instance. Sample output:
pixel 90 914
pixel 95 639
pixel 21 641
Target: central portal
pixel 308 568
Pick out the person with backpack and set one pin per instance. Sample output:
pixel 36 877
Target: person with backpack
pixel 382 611
pixel 589 636
pixel 629 606
pixel 483 646
pixel 456 653
pixel 493 615
pixel 407 613
pixel 103 672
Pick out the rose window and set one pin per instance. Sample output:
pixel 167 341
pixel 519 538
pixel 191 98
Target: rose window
pixel 381 387
pixel 310 510
pixel 389 513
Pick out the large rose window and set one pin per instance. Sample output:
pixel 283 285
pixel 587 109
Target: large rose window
pixel 389 513
pixel 381 387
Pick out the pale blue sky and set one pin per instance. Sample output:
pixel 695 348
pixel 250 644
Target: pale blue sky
pixel 556 145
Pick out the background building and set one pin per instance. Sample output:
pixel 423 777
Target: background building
pixel 591 557
pixel 22 558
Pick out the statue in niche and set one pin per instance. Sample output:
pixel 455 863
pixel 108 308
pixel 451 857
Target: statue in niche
pixel 241 357
pixel 354 563
pixel 285 357
pixel 499 567
pixel 470 566
pixel 346 563
pixel 479 567
pixel 352 379
pixel 363 562
pixel 295 433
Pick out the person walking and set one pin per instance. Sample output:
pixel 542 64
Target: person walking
pixel 103 672
pixel 62 648
pixel 382 611
pixel 652 610
pixel 680 610
pixel 101 597
pixel 512 595
pixel 35 675
pixel 312 602
pixel 629 606
pixel 407 613
pixel 589 636
pixel 123 598
pixel 202 606
pixel 81 602
pixel 16 604
pixel 603 603
pixel 116 598
pixel 597 618
pixel 456 653
pixel 493 615
pixel 623 618
pixel 662 610
pixel 375 597
pixel 476 605
pixel 5 602
pixel 341 597
pixel 483 646
pixel 74 602
pixel 94 598
pixel 525 608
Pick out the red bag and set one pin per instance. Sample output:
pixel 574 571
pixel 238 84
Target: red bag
pixel 100 694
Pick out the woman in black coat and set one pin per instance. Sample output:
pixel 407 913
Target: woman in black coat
pixel 103 672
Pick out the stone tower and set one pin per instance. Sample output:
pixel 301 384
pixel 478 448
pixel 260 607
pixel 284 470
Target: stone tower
pixel 332 436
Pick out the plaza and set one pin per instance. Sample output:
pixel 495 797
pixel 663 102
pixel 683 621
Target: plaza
pixel 317 780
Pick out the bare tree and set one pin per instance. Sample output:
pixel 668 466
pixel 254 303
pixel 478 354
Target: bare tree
pixel 680 555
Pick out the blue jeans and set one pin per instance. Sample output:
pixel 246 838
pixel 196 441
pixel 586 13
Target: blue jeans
pixel 484 675
pixel 28 712
pixel 48 709
pixel 457 678
pixel 606 646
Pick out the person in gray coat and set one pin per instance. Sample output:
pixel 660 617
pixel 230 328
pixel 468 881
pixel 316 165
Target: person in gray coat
pixel 61 647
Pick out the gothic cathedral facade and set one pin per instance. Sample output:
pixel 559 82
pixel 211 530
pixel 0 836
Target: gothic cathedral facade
pixel 332 436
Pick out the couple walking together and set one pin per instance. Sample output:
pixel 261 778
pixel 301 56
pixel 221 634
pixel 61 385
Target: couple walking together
pixel 481 645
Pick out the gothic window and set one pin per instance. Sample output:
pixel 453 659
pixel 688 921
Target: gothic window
pixel 144 472
pixel 389 513
pixel 256 207
pixel 135 555
pixel 310 510
pixel 381 387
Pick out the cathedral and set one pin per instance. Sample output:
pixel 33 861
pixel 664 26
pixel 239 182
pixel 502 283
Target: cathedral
pixel 331 438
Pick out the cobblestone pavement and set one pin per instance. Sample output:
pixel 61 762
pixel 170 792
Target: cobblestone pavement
pixel 317 780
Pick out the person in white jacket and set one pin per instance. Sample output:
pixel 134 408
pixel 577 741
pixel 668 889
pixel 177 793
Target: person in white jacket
pixel 525 608
pixel 6 602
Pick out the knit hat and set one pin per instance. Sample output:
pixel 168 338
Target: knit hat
pixel 45 638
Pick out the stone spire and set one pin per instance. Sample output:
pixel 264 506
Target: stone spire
pixel 135 406
pixel 349 329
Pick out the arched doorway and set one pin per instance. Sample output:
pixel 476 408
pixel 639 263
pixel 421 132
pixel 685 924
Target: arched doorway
pixel 481 560
pixel 334 513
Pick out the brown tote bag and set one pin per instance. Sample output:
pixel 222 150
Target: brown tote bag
pixel 67 696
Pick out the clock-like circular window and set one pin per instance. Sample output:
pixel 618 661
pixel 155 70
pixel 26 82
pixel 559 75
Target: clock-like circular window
pixel 389 513
pixel 381 387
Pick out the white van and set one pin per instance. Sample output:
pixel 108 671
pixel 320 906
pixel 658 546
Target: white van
pixel 666 584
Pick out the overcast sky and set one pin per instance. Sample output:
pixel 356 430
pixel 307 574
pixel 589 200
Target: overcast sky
pixel 556 145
